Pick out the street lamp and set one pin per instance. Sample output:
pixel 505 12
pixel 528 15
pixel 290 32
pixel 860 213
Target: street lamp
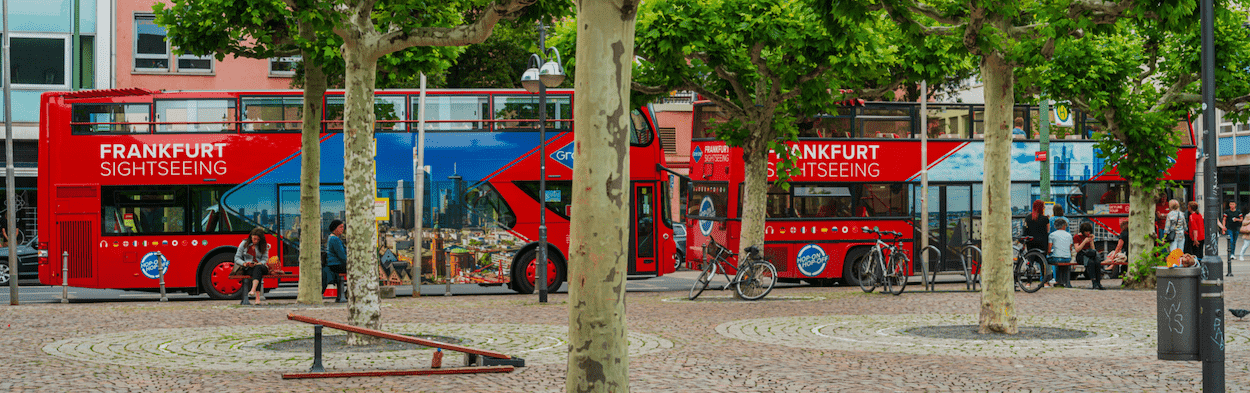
pixel 537 79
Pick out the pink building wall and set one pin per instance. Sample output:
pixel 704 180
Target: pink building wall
pixel 229 74
pixel 677 117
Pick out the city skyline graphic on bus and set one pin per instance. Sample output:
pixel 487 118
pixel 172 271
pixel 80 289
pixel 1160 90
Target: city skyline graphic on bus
pixel 472 156
pixel 1069 162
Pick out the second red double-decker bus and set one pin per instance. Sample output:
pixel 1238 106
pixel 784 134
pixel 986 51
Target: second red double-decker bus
pixel 861 168
pixel 134 177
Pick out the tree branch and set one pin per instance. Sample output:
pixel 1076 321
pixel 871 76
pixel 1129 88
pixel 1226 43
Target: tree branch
pixel 972 33
pixel 932 12
pixel 816 73
pixel 1101 12
pixel 1026 30
pixel 1151 67
pixel 735 110
pixel 1237 104
pixel 1174 91
pixel 732 78
pixel 397 39
pixel 758 60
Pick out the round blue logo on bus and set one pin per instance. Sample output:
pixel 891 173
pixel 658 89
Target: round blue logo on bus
pixel 153 264
pixel 706 209
pixel 811 260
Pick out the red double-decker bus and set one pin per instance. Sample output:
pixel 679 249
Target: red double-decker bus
pixel 861 167
pixel 134 176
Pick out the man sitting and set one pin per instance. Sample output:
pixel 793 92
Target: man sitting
pixel 1060 252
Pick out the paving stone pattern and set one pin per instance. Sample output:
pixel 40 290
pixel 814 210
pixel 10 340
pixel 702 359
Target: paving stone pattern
pixel 244 348
pixel 885 333
pixel 842 340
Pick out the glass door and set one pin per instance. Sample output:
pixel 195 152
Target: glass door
pixel 643 228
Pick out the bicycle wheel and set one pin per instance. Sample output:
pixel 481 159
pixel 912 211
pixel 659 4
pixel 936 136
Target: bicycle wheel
pixel 705 277
pixel 756 280
pixel 896 274
pixel 866 271
pixel 1031 272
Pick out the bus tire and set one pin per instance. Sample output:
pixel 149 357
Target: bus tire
pixel 213 278
pixel 524 273
pixel 852 256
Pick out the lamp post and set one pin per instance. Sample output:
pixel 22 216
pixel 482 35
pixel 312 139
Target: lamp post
pixel 537 79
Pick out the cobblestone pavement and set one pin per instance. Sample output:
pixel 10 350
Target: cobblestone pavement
pixel 806 340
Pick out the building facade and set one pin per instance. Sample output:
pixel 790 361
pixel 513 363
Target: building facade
pixel 54 45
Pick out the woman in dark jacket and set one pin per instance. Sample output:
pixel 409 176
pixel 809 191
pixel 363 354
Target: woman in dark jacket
pixel 1038 226
pixel 253 253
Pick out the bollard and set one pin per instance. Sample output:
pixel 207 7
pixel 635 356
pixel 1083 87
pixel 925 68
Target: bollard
pixel 316 366
pixel 160 272
pixel 64 276
pixel 448 291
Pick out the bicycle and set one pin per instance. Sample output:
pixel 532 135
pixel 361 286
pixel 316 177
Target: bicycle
pixel 874 269
pixel 1029 265
pixel 755 279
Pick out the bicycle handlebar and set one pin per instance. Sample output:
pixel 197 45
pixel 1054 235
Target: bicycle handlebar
pixel 880 232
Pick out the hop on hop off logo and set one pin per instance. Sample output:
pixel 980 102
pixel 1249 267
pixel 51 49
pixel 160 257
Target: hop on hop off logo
pixel 811 260
pixel 153 264
pixel 706 209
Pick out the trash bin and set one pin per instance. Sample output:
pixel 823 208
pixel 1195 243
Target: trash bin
pixel 1177 302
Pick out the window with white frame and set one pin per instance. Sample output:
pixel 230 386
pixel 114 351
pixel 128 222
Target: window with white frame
pixel 1225 127
pixel 152 51
pixel 39 61
pixel 283 66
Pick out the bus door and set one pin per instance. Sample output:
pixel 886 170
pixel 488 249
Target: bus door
pixel 954 219
pixel 77 232
pixel 644 219
pixel 288 226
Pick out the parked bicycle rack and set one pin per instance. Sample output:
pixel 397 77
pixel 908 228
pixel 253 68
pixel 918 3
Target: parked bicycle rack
pixel 476 360
pixel 969 261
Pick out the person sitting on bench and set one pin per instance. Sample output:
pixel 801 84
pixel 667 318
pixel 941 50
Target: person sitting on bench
pixel 336 256
pixel 253 253
pixel 1087 256
pixel 1060 251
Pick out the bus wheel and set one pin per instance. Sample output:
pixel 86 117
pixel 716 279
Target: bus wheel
pixel 525 274
pixel 214 278
pixel 849 265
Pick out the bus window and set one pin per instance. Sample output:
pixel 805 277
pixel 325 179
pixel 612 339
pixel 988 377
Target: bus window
pixel 708 200
pixel 559 195
pixel 486 202
pixel 779 203
pixel 640 132
pixel 143 210
pixel 285 112
pixel 559 107
pixel 208 215
pixel 453 107
pixel 879 200
pixel 822 201
pixel 110 118
pixel 195 115
pixel 388 112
